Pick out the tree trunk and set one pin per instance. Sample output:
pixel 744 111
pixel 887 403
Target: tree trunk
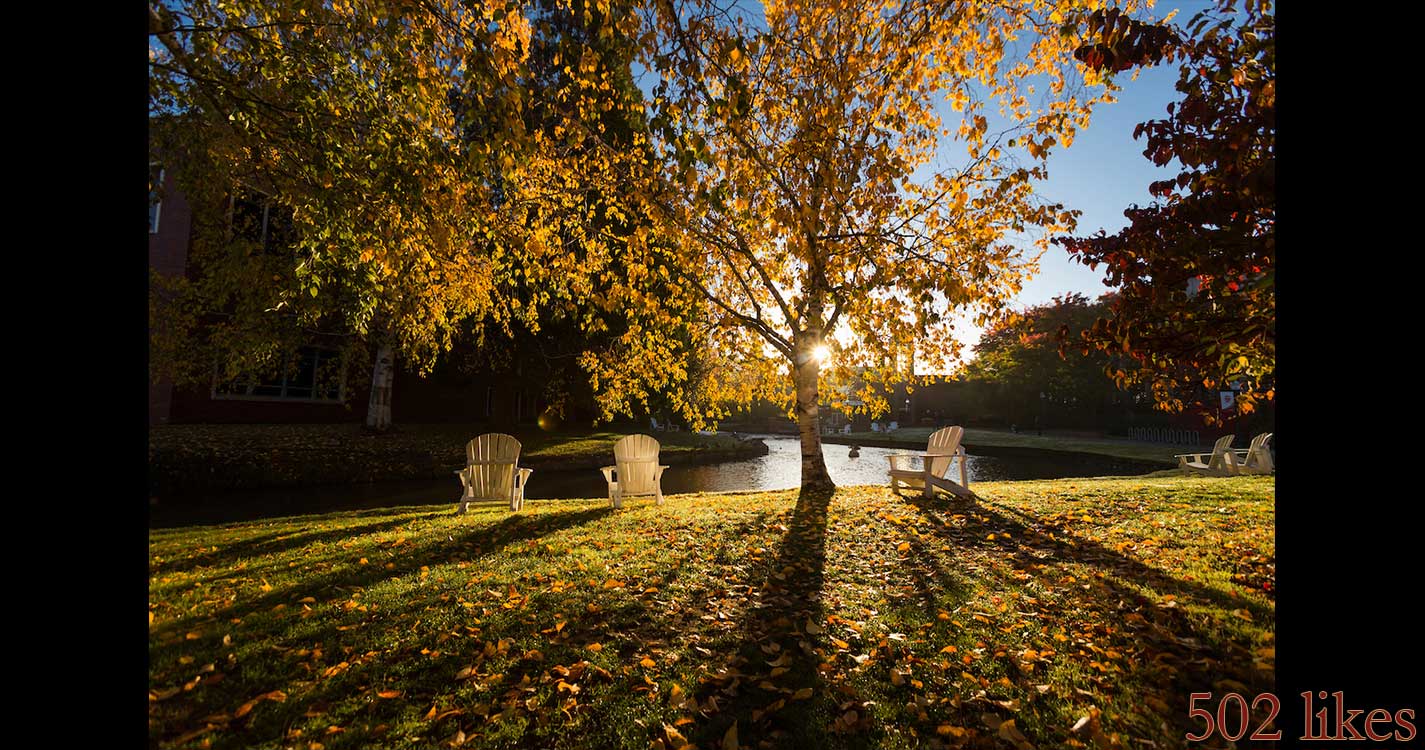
pixel 805 371
pixel 378 409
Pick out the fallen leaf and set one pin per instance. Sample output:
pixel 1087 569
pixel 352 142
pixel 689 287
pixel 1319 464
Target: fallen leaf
pixel 729 738
pixel 675 738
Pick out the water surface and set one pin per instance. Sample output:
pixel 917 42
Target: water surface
pixel 778 470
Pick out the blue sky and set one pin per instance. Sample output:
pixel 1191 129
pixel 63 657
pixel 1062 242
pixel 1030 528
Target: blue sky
pixel 1101 174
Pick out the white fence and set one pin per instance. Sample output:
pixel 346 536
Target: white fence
pixel 1165 435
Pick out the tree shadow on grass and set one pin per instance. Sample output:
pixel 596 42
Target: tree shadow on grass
pixel 630 626
pixel 764 688
pixel 270 618
pixel 1026 540
pixel 276 543
pixel 1170 652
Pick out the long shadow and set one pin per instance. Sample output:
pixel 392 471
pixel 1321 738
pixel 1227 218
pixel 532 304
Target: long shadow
pixel 474 543
pixel 635 623
pixel 1023 539
pixel 276 543
pixel 1186 656
pixel 638 624
pixel 357 626
pixel 774 638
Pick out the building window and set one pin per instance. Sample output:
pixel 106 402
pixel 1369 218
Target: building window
pixel 155 191
pixel 312 374
pixel 254 218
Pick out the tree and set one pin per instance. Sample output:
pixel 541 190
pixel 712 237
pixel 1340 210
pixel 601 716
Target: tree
pixel 793 165
pixel 339 117
pixel 1196 270
pixel 1020 356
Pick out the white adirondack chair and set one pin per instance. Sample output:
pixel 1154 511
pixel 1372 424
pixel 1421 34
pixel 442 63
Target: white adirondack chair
pixel 846 430
pixel 1256 459
pixel 875 427
pixel 1219 463
pixel 492 471
pixel 934 474
pixel 893 426
pixel 636 470
pixel 653 424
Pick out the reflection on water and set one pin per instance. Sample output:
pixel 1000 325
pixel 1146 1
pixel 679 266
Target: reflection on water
pixel 779 469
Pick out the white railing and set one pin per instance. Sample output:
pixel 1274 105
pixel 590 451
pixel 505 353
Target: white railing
pixel 1165 435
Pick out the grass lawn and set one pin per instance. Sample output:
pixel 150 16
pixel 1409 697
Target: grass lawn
pixel 1052 613
pixel 916 437
pixel 196 457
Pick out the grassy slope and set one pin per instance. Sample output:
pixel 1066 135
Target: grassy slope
pixel 864 621
pixel 916 437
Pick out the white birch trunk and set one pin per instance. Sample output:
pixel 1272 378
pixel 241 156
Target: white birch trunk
pixel 378 409
pixel 806 368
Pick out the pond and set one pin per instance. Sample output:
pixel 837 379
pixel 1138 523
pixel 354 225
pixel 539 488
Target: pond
pixel 779 469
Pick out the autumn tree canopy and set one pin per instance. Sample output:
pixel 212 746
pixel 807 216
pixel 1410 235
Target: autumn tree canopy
pixel 336 117
pixel 794 161
pixel 1196 270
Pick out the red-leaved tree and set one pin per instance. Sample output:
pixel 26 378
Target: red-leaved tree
pixel 1196 270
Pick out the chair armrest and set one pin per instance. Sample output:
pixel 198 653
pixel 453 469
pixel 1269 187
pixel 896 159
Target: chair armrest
pixel 658 472
pixel 608 473
pixel 523 476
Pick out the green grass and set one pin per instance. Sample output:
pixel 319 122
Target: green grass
pixel 197 457
pixel 855 620
pixel 977 438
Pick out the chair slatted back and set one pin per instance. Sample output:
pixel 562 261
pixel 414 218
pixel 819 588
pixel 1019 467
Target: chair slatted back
pixel 1222 456
pixel 945 440
pixel 636 458
pixel 491 461
pixel 1259 455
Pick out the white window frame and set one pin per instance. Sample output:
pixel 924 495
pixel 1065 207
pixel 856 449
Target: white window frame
pixel 249 396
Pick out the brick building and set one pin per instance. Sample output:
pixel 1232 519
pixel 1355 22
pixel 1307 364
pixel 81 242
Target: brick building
pixel 320 387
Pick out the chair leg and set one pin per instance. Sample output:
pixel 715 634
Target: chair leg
pixel 658 490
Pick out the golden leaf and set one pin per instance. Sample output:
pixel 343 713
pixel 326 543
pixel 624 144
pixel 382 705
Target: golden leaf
pixel 729 738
